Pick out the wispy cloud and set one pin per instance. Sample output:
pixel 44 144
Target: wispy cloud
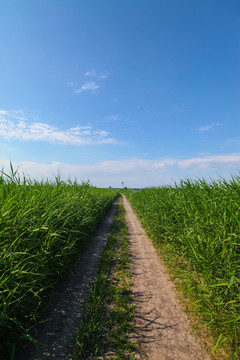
pixel 101 76
pixel 104 75
pixel 212 162
pixel 204 162
pixel 176 110
pixel 113 117
pixel 91 73
pixel 92 86
pixel 16 125
pixel 70 83
pixel 234 141
pixel 208 127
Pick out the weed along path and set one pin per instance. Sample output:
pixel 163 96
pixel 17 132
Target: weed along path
pixel 61 318
pixel 162 328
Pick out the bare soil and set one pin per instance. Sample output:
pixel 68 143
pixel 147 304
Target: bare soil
pixel 66 305
pixel 162 328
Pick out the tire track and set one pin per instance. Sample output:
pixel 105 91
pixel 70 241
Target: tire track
pixel 67 303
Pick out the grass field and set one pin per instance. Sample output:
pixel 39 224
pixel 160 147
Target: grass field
pixel 43 227
pixel 197 227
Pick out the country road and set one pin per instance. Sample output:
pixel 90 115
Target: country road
pixel 162 328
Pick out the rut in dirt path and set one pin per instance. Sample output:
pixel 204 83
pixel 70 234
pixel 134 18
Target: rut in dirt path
pixel 162 328
pixel 67 303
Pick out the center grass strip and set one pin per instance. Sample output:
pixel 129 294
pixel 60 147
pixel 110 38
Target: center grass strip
pixel 105 330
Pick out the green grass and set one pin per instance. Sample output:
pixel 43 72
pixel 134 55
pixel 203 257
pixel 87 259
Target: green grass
pixel 104 331
pixel 197 227
pixel 43 228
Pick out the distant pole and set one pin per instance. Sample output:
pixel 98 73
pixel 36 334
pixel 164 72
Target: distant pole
pixel 123 184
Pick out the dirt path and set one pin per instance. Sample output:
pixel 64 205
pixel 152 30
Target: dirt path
pixel 66 305
pixel 162 328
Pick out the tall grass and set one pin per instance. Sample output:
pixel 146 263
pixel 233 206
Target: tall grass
pixel 43 227
pixel 199 223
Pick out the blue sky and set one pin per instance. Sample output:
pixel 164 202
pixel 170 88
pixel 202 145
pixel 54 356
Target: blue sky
pixel 145 92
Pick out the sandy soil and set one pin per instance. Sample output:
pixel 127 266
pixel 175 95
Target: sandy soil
pixel 66 305
pixel 162 328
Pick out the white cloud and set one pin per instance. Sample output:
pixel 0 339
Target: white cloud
pixel 204 162
pixel 213 161
pixel 15 125
pixel 87 86
pixel 3 112
pixel 208 127
pixel 134 172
